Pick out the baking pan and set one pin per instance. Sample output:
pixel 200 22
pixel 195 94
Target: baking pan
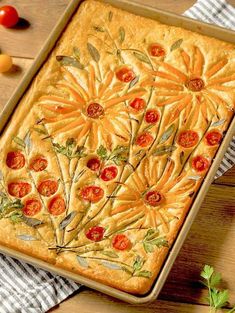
pixel 166 18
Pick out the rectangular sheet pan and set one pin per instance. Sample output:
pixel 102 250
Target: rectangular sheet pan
pixel 167 18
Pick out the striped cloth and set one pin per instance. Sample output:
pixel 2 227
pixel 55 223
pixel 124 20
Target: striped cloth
pixel 25 289
pixel 223 14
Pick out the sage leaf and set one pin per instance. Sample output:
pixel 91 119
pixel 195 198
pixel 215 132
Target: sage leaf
pixel 93 52
pixel 19 141
pixel 138 263
pixel 33 222
pixel 82 261
pixel 27 141
pixel 110 16
pixel 122 34
pixel 148 247
pixel 99 29
pixel 69 61
pixel 40 131
pixel 76 53
pixel 218 123
pixel 164 150
pixel 26 237
pixel 141 57
pixel 159 242
pixel 166 135
pixel 67 220
pixel 111 266
pixel 196 177
pixel 144 273
pixel 110 254
pixel 176 44
pixel 134 82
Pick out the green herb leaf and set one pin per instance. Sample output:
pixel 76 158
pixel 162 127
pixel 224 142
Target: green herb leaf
pixel 176 44
pixel 134 82
pixel 16 217
pixel 164 150
pixel 67 220
pixel 99 29
pixel 76 53
pixel 82 261
pixel 111 266
pixel 93 52
pixel 138 263
pixel 27 141
pixel 102 152
pixel 19 141
pixel 40 131
pixel 207 272
pixel 122 34
pixel 33 222
pixel 110 254
pixel 69 61
pixel 218 123
pixel 166 135
pixel 144 273
pixel 110 16
pixel 141 57
pixel 148 247
pixel 220 298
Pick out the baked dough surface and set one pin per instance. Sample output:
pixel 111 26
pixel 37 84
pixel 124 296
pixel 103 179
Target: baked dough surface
pixel 104 154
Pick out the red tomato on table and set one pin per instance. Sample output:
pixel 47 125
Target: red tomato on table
pixel 8 16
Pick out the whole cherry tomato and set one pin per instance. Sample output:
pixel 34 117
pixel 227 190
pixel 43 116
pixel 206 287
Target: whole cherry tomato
pixel 8 16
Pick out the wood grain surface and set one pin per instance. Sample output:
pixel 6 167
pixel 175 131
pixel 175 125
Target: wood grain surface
pixel 212 236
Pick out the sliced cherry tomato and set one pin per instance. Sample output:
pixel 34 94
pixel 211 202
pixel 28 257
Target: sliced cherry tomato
pixel 109 173
pixel 156 50
pixel 95 110
pixel 56 206
pixel 15 160
pixel 48 187
pixel 213 138
pixel 152 116
pixel 92 194
pixel 138 104
pixel 8 16
pixel 93 164
pixel 38 164
pixel 125 74
pixel 188 138
pixel 32 207
pixel 5 63
pixel 144 139
pixel 195 84
pixel 95 233
pixel 19 189
pixel 153 198
pixel 121 242
pixel 200 163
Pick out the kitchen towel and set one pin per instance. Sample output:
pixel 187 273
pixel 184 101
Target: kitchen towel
pixel 25 289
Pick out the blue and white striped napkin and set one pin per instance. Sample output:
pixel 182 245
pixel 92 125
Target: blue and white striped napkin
pixel 25 289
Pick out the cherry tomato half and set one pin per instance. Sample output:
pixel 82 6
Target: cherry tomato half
pixel 144 139
pixel 5 63
pixel 188 138
pixel 15 160
pixel 156 50
pixel 213 138
pixel 92 194
pixel 8 16
pixel 152 116
pixel 38 164
pixel 95 233
pixel 125 74
pixel 48 187
pixel 93 164
pixel 95 110
pixel 138 104
pixel 121 242
pixel 153 198
pixel 19 189
pixel 56 206
pixel 109 173
pixel 195 84
pixel 200 163
pixel 32 207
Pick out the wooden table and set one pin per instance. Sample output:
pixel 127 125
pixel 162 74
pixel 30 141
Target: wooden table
pixel 212 237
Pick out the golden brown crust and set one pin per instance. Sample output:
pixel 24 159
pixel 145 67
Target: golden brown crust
pixel 152 107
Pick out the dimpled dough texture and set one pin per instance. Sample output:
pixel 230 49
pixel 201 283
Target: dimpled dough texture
pixel 106 151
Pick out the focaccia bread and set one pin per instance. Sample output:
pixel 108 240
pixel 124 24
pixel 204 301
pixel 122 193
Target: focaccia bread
pixel 104 154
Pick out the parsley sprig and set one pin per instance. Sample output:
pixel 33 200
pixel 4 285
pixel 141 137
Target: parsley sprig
pixel 217 298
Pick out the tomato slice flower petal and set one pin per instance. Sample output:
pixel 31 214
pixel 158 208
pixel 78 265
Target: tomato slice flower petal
pixel 15 160
pixel 92 194
pixel 109 173
pixel 32 207
pixel 56 206
pixel 188 138
pixel 48 187
pixel 19 189
pixel 200 163
pixel 95 233
pixel 213 138
pixel 121 242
